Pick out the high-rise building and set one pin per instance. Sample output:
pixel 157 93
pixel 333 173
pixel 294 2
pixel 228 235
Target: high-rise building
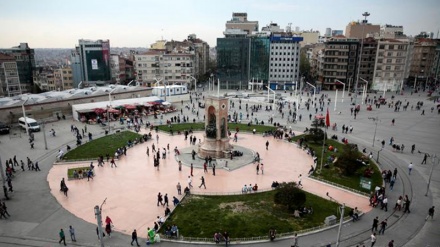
pixel 233 60
pixel 94 60
pixel 239 21
pixel 9 77
pixel 368 60
pixel 259 57
pixel 391 32
pixel 337 32
pixel 25 58
pixel 436 66
pixel 361 30
pixel 328 32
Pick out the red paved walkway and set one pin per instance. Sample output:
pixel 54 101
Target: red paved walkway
pixel 131 189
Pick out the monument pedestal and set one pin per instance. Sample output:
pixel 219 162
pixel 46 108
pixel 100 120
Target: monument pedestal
pixel 217 149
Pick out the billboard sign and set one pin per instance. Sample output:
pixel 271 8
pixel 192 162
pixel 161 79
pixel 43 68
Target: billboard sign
pixel 94 64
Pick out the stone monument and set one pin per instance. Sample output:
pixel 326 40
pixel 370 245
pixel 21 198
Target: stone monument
pixel 216 139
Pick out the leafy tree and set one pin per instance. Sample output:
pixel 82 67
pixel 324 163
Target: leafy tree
pixel 316 134
pixel 290 196
pixel 349 160
pixel 304 65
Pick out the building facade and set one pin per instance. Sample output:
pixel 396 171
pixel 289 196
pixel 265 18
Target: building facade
pixel 368 60
pixel 361 30
pixel 390 65
pixel 233 60
pixel 239 21
pixel 284 60
pixel 94 60
pixel 63 78
pixel 423 60
pixel 25 59
pixel 9 76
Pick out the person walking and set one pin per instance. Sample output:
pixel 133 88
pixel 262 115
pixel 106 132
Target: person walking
pixel 262 169
pixel 213 169
pixel 375 224
pixel 267 145
pixel 192 169
pixel 384 204
pixel 258 169
pixel 425 156
pixel 203 182
pixel 410 167
pixel 134 237
pixel 189 182
pixel 72 234
pixel 165 198
pixel 62 237
pixel 295 240
pixel 300 180
pixel 179 188
pixel 112 162
pixel 430 213
pixel 406 204
pixel 383 225
pixel 391 243
pixel 373 239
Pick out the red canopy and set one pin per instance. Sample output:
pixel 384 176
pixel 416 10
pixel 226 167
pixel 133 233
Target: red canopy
pixel 130 107
pixel 320 117
pixel 112 110
pixel 98 110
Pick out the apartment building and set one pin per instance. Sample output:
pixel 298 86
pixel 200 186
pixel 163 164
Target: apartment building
pixel 423 60
pixel 368 60
pixel 390 65
pixel 9 77
pixel 239 21
pixel 63 78
pixel 25 59
pixel 173 68
pixel 335 60
pixel 361 30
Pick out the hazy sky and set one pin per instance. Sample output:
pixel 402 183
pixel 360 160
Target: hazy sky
pixel 138 23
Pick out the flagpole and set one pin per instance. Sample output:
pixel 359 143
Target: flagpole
pixel 327 123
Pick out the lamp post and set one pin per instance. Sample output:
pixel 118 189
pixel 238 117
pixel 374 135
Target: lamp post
pixel 343 90
pixel 433 158
pixel 364 22
pixel 110 106
pixel 375 120
pixel 212 81
pixel 341 220
pixel 364 91
pixel 98 216
pixel 2 173
pixel 314 89
pixel 24 116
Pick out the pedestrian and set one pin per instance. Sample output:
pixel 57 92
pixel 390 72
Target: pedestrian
pixel 112 162
pixel 160 199
pixel 72 234
pixel 192 169
pixel 384 204
pixel 375 224
pixel 295 240
pixel 205 168
pixel 4 209
pixel 410 167
pixel 267 145
pixel 165 198
pixel 383 225
pixel 395 173
pixel 425 156
pixel 62 237
pixel 430 213
pixel 180 165
pixel 391 243
pixel 213 169
pixel 148 151
pixel 392 122
pixel 179 188
pixel 392 181
pixel 261 168
pixel 299 180
pixel 134 237
pixel 413 147
pixel 108 226
pixel 258 169
pixel 189 182
pixel 37 167
pixel 406 204
pixel 373 239
pixel 203 182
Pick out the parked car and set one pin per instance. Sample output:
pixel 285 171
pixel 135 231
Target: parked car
pixel 4 129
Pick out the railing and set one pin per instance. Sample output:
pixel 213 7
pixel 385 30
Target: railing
pixel 340 186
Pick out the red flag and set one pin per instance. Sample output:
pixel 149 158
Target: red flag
pixel 327 119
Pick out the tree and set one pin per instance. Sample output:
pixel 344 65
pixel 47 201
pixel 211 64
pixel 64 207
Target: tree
pixel 316 134
pixel 349 160
pixel 290 196
pixel 304 65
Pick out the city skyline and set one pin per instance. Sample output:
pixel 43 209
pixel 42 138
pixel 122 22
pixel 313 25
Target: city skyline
pixel 137 23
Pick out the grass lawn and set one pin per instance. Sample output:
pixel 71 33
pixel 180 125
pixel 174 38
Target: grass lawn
pixel 201 126
pixel 334 175
pixel 101 146
pixel 70 171
pixel 249 215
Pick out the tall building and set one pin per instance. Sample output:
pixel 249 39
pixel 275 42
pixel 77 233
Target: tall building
pixel 388 31
pixel 239 21
pixel 368 60
pixel 336 59
pixel 9 77
pixel 94 60
pixel 391 62
pixel 259 57
pixel 436 66
pixel 423 60
pixel 337 32
pixel 233 60
pixel 328 32
pixel 75 64
pixel 284 60
pixel 25 58
pixel 361 30
pixel 63 78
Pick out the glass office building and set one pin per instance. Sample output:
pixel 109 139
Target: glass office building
pixel 260 53
pixel 233 57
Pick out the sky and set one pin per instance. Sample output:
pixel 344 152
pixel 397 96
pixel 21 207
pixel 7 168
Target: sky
pixel 139 23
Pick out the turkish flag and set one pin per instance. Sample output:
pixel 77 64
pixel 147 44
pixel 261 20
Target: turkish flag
pixel 327 119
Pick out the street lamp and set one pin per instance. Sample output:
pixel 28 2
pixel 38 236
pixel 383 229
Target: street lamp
pixel 314 89
pixel 364 22
pixel 365 89
pixel 433 157
pixel 341 220
pixel 343 90
pixel 24 116
pixel 110 106
pixel 375 120
pixel 98 216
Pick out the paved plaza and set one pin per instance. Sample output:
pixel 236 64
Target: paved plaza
pixel 39 209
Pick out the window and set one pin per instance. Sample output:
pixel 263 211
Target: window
pixel 389 60
pixel 387 67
